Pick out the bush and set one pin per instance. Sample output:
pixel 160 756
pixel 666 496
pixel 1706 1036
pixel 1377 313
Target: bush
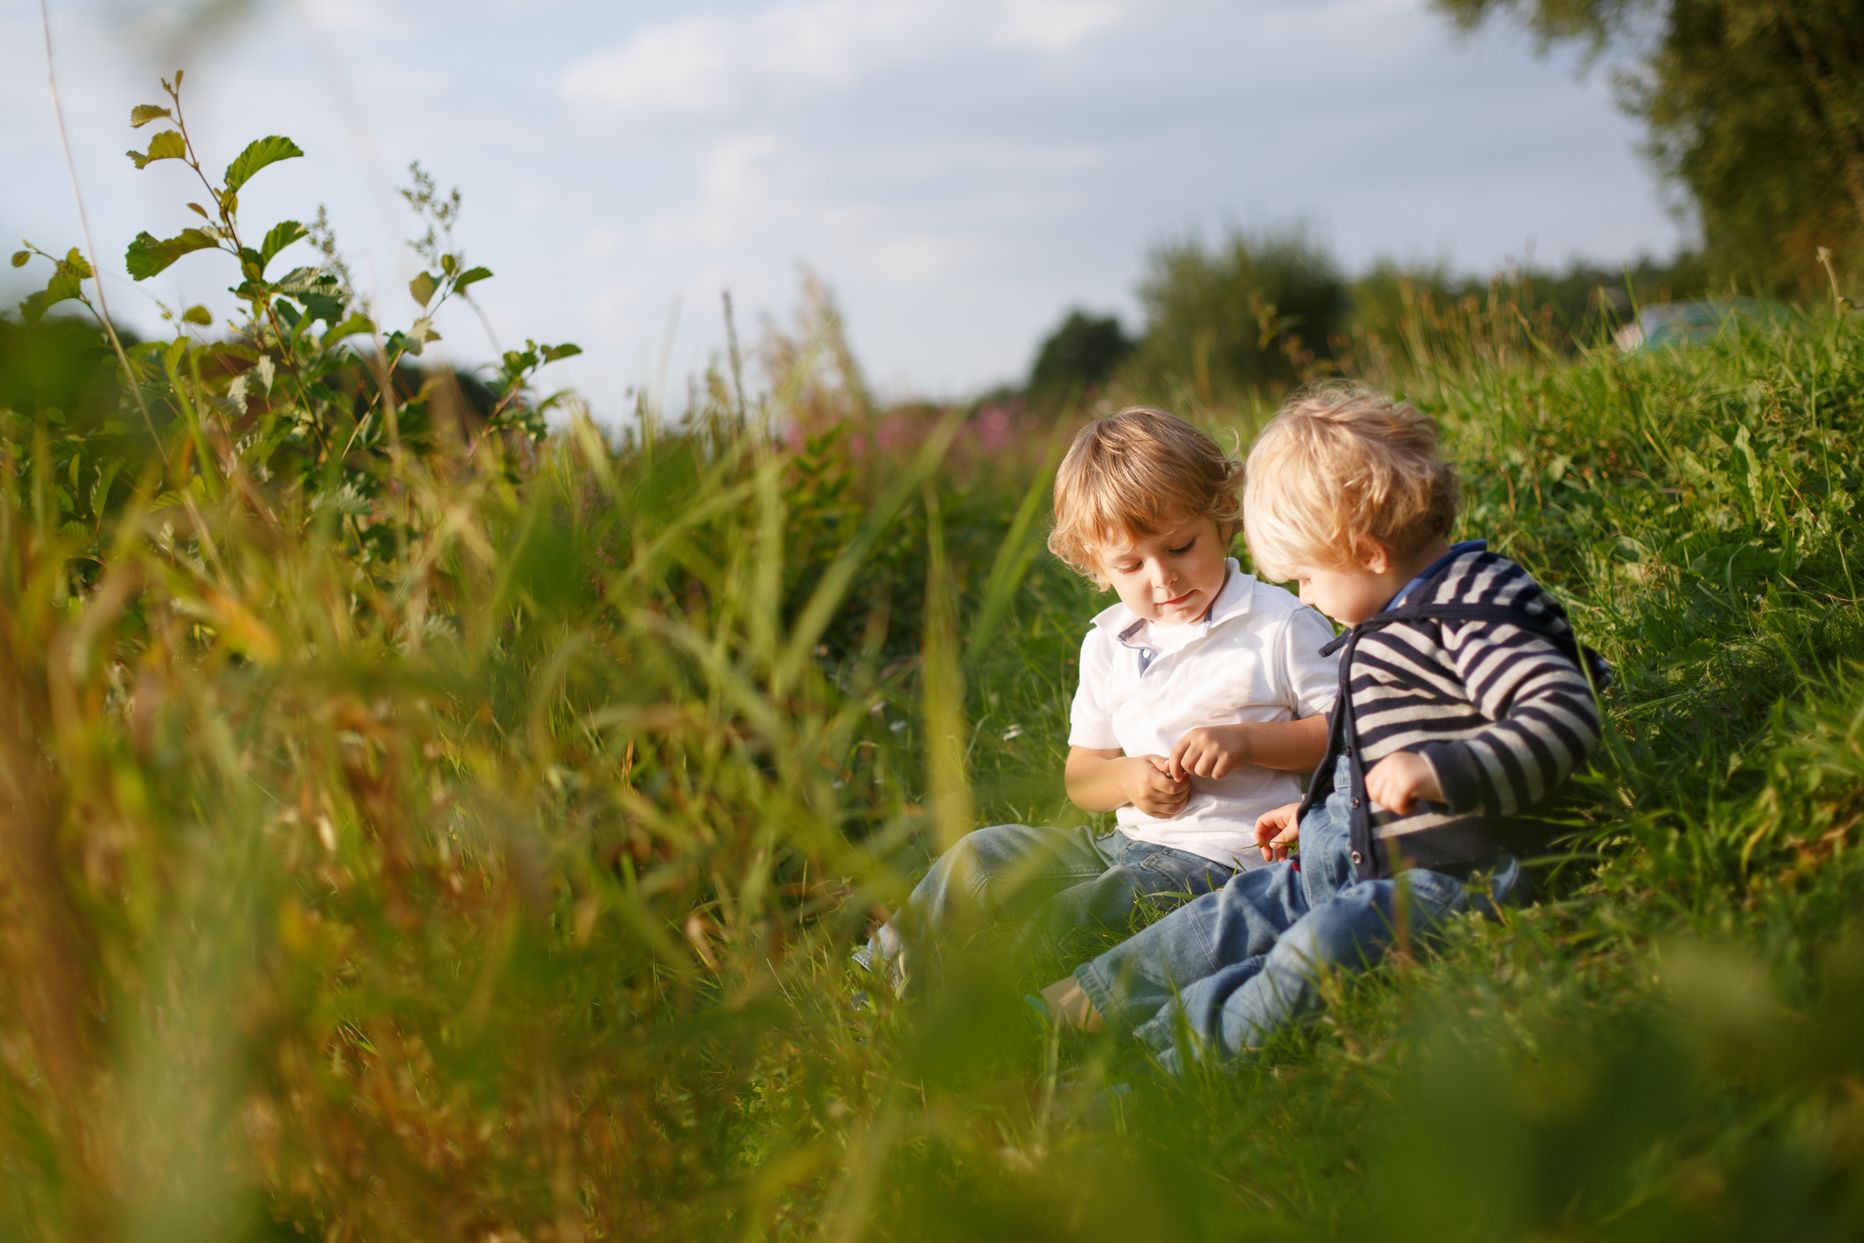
pixel 1257 311
pixel 1078 357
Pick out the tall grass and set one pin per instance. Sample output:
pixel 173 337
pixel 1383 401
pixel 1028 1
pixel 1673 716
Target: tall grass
pixel 500 883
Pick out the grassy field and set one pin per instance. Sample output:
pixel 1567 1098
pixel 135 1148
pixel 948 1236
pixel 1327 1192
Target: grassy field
pixel 469 844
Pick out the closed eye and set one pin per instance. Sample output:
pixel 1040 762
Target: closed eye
pixel 1185 547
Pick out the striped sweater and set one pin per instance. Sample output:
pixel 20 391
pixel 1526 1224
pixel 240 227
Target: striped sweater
pixel 1477 669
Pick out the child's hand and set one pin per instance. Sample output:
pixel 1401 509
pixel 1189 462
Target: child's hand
pixel 1152 788
pixel 1398 781
pixel 1276 830
pixel 1210 751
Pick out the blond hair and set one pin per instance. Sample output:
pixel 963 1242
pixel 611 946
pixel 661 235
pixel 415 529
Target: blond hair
pixel 1339 465
pixel 1139 472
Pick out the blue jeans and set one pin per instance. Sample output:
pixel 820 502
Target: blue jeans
pixel 1247 957
pixel 1040 891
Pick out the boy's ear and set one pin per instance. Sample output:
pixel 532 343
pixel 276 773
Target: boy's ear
pixel 1371 554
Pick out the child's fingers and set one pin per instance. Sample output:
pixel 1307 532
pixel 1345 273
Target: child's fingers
pixel 1178 752
pixel 1284 839
pixel 1275 829
pixel 1390 789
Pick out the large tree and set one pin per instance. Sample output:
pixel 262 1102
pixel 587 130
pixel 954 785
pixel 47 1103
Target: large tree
pixel 1755 108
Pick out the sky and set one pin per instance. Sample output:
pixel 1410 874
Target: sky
pixel 959 172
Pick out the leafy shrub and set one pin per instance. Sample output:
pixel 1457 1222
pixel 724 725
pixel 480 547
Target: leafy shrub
pixel 1254 311
pixel 1078 357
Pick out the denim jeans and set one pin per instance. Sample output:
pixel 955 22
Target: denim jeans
pixel 1247 957
pixel 1034 891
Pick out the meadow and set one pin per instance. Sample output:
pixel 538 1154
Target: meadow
pixel 421 824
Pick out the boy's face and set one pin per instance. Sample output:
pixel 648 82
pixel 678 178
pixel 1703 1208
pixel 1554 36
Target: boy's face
pixel 1172 576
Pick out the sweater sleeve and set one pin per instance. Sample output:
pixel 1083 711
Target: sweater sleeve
pixel 1544 720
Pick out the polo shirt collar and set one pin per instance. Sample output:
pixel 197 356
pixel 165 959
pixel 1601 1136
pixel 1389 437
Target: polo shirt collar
pixel 1231 600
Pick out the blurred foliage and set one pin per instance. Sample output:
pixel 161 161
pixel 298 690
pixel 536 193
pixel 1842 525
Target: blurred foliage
pixel 460 833
pixel 285 412
pixel 1243 322
pixel 1572 308
pixel 1755 108
pixel 1251 312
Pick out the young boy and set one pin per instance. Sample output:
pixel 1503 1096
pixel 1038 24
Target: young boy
pixel 1202 692
pixel 1463 705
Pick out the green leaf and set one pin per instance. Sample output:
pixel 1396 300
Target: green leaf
pixel 469 277
pixel 142 114
pixel 166 145
pixel 65 284
pixel 198 315
pixel 422 287
pixel 107 471
pixel 21 258
pixel 259 153
pixel 200 211
pixel 566 350
pixel 282 234
pixel 348 328
pixel 148 255
pixel 322 306
pixel 306 280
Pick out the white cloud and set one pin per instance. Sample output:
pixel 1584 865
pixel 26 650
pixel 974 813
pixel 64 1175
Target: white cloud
pixel 714 66
pixel 739 185
pixel 921 257
pixel 1057 25
pixel 688 67
pixel 603 242
pixel 359 18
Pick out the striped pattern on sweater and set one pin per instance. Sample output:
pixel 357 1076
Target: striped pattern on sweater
pixel 1477 670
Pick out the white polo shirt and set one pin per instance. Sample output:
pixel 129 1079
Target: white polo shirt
pixel 1254 657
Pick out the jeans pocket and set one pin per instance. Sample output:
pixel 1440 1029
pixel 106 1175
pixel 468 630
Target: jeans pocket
pixel 1177 864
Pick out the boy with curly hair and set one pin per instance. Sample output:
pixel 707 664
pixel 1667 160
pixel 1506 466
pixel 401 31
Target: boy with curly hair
pixel 1202 693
